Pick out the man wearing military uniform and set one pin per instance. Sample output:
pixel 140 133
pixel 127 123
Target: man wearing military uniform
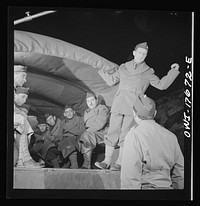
pixel 19 75
pixel 134 78
pixel 152 158
pixel 43 148
pixel 22 128
pixel 54 126
pixel 95 119
pixel 72 127
pixel 22 132
pixel 53 132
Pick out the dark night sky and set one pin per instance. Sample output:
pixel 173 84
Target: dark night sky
pixel 113 33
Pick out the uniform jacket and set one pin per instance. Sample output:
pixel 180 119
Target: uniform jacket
pixel 152 158
pixel 42 143
pixel 49 137
pixel 71 129
pixel 95 119
pixel 23 125
pixel 55 131
pixel 133 82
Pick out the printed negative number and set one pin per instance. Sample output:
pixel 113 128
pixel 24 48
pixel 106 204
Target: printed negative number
pixel 186 118
pixel 186 82
pixel 187 92
pixel 188 60
pixel 189 75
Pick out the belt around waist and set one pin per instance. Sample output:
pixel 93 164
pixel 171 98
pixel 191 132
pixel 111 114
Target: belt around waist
pixel 132 91
pixel 157 171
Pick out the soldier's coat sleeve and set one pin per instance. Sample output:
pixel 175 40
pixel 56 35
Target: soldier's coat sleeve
pixel 19 121
pixel 178 169
pixel 49 136
pixel 81 126
pixel 110 79
pixel 56 132
pixel 100 120
pixel 74 127
pixel 166 81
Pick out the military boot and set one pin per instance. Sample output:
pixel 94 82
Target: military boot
pixel 105 164
pixel 73 160
pixel 55 162
pixel 87 160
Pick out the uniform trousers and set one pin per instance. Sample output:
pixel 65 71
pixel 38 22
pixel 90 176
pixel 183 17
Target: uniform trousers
pixel 90 139
pixel 23 143
pixel 119 126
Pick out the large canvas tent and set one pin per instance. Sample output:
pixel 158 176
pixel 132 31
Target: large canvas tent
pixel 60 73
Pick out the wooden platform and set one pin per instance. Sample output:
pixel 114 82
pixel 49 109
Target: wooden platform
pixel 51 178
pixel 63 178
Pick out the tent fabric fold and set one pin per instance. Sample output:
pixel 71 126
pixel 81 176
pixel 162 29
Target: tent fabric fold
pixel 60 73
pixel 31 42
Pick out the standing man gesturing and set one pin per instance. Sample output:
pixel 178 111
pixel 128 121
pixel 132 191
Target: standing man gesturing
pixel 134 78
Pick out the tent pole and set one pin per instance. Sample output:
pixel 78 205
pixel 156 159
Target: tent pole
pixel 30 17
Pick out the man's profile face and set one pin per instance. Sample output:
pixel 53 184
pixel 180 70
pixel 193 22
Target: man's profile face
pixel 20 98
pixel 19 78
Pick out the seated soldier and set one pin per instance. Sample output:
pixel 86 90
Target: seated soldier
pixel 54 126
pixel 72 126
pixel 42 147
pixel 95 119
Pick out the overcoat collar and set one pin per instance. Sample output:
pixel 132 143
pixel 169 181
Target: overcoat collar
pixel 90 113
pixel 140 69
pixel 71 123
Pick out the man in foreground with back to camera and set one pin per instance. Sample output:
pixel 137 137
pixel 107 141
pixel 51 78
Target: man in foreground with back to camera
pixel 152 158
